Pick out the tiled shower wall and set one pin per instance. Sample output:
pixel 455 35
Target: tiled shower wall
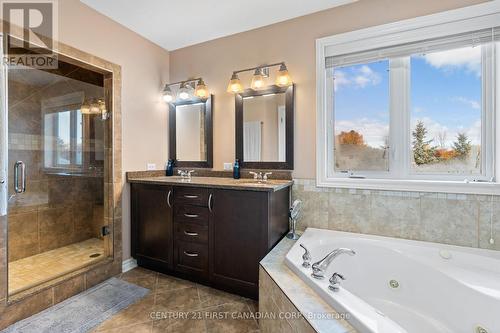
pixel 456 219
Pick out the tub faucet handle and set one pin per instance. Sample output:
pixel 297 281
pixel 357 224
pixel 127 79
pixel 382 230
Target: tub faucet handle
pixel 306 257
pixel 335 281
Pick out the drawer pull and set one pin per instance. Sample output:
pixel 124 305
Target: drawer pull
pixel 191 215
pixel 168 198
pixel 189 254
pixel 187 196
pixel 188 233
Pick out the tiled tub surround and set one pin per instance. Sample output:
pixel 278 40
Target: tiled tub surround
pixel 36 299
pixel 287 304
pixel 455 219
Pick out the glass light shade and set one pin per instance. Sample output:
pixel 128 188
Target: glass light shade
pixel 258 80
pixel 234 85
pixel 85 108
pixel 95 107
pixel 283 78
pixel 167 95
pixel 185 92
pixel 201 90
pixel 102 106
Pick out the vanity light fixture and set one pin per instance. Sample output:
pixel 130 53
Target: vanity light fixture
pixel 283 78
pixel 188 89
pixel 94 106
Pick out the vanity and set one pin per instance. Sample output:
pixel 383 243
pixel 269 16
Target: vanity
pixel 209 227
pixel 211 230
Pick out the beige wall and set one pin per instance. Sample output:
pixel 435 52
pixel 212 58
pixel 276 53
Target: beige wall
pixel 292 41
pixel 145 67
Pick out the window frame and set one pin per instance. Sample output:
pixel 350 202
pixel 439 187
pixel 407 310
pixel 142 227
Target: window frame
pixel 400 175
pixel 73 129
pixel 65 103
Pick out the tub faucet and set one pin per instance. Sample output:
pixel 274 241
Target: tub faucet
pixel 319 268
pixel 335 281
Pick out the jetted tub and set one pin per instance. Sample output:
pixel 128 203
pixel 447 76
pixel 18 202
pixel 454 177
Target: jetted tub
pixel 396 285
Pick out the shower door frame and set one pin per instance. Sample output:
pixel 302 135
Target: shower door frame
pixel 112 263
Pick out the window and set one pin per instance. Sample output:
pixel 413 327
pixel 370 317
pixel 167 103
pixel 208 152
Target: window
pixel 63 139
pixel 411 114
pixel 361 113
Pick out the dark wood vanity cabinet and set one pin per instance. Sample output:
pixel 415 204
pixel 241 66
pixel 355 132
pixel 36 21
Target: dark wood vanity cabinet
pixel 152 226
pixel 212 236
pixel 244 226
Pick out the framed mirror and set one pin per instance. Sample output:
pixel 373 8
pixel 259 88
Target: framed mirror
pixel 190 133
pixel 264 128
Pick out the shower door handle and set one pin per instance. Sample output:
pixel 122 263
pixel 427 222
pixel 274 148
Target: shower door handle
pixel 20 184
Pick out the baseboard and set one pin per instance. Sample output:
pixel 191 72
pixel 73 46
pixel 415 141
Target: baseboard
pixel 128 264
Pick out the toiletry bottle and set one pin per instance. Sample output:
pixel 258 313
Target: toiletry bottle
pixel 236 169
pixel 170 168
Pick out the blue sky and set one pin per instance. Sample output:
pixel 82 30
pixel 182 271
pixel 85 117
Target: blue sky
pixel 445 95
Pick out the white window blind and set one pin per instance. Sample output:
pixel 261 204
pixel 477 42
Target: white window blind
pixel 475 38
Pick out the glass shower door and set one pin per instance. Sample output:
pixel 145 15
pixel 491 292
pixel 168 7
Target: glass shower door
pixel 53 154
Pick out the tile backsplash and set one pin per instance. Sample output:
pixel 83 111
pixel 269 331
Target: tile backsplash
pixel 456 219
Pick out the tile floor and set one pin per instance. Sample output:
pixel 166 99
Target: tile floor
pixel 31 271
pixel 205 309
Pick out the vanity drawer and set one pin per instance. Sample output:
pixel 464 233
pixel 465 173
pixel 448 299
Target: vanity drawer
pixel 191 258
pixel 191 232
pixel 191 195
pixel 191 214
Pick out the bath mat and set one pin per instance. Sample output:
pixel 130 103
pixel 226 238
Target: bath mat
pixel 82 312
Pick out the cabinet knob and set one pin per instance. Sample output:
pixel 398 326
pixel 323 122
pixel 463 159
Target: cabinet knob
pixel 188 233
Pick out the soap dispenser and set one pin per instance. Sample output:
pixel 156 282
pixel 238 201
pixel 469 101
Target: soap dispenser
pixel 170 168
pixel 236 169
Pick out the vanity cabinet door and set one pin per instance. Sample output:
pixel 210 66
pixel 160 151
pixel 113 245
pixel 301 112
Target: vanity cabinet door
pixel 238 239
pixel 152 226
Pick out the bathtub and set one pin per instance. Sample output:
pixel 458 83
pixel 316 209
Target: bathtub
pixel 395 285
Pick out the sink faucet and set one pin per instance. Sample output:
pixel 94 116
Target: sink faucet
pixel 260 176
pixel 185 174
pixel 319 268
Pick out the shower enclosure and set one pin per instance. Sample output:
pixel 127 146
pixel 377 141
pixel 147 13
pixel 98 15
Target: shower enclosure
pixel 53 166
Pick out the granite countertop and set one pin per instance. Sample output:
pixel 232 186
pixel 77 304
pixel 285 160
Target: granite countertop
pixel 300 294
pixel 271 185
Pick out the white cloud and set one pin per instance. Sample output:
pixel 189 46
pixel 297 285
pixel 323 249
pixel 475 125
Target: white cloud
pixel 467 57
pixel 362 77
pixel 470 102
pixel 374 132
pixel 340 80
